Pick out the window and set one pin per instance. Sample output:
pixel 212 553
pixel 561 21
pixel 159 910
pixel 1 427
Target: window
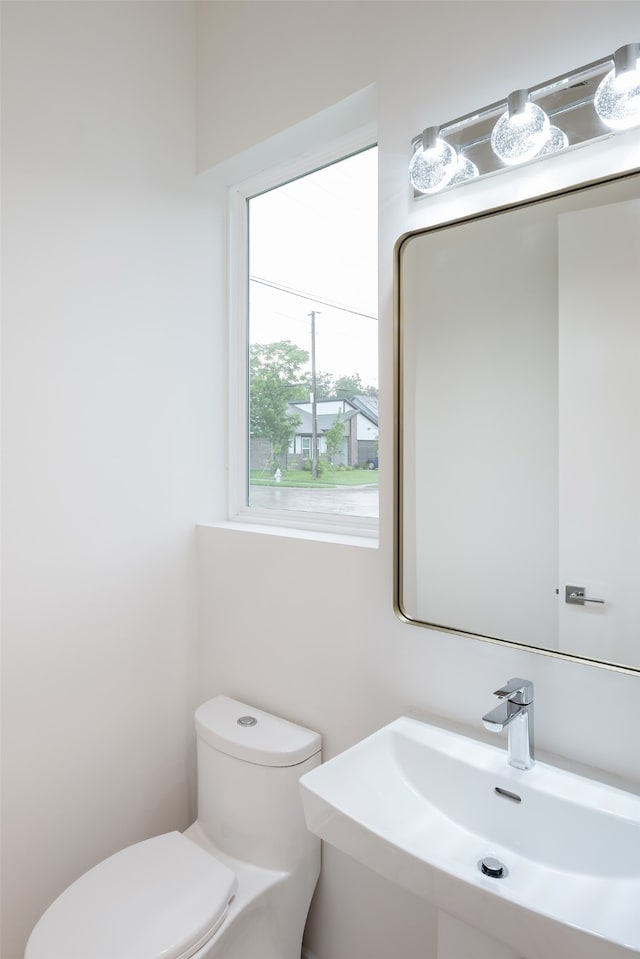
pixel 312 350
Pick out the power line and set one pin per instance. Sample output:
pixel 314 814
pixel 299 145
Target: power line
pixel 312 299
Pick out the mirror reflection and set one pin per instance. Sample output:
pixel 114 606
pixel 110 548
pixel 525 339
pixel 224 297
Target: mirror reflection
pixel 519 423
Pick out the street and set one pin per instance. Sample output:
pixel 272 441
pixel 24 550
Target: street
pixel 345 500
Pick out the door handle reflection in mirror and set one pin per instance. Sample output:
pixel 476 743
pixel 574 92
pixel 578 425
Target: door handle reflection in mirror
pixel 575 594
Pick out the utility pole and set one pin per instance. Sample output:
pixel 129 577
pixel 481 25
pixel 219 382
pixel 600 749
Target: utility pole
pixel 314 403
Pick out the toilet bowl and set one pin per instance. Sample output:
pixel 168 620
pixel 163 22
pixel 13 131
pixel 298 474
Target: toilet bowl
pixel 236 885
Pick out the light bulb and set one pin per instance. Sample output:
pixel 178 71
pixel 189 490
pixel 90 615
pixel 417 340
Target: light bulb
pixel 617 99
pixel 557 141
pixel 433 163
pixel 466 170
pixel 521 131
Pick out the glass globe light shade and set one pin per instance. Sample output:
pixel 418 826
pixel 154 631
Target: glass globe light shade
pixel 519 136
pixel 617 99
pixel 465 170
pixel 431 169
pixel 557 141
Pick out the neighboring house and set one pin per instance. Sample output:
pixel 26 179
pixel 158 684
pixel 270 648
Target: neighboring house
pixel 360 418
pixel 360 444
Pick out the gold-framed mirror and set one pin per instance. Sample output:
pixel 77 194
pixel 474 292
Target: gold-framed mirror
pixel 518 424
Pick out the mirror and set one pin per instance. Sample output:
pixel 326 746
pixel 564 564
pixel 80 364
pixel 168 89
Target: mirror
pixel 518 411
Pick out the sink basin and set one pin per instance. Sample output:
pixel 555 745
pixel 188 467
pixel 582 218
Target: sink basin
pixel 423 806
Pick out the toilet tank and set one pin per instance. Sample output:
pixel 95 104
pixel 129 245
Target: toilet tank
pixel 249 764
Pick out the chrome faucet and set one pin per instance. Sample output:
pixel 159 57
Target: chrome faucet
pixel 516 712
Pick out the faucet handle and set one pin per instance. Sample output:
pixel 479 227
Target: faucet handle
pixel 516 690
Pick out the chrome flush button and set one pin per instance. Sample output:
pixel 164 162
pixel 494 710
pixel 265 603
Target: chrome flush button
pixel 247 721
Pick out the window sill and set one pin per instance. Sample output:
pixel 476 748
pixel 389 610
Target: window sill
pixel 313 527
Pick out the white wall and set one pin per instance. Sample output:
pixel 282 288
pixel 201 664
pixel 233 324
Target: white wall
pixel 335 657
pixel 106 447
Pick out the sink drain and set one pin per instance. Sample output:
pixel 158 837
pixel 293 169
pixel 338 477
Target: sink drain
pixel 492 867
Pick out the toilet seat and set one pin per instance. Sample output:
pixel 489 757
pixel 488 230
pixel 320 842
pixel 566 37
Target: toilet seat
pixel 163 898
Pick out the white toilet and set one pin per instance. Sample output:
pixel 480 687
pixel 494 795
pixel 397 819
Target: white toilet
pixel 236 885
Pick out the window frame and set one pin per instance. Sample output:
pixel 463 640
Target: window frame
pixel 239 195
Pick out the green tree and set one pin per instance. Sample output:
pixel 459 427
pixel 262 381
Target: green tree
pixel 347 386
pixel 334 437
pixel 344 387
pixel 275 381
pixel 324 386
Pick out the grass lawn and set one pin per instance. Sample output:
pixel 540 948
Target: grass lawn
pixel 303 478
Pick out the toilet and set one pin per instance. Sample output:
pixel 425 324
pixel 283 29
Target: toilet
pixel 236 885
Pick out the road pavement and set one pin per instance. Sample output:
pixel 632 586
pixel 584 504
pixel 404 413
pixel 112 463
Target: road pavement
pixel 345 500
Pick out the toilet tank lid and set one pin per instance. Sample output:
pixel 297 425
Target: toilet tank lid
pixel 227 725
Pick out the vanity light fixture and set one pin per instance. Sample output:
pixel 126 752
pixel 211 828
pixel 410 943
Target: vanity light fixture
pixel 433 162
pixel 592 102
pixel 617 99
pixel 465 170
pixel 522 130
pixel 557 140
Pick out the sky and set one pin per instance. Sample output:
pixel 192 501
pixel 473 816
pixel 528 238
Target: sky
pixel 313 246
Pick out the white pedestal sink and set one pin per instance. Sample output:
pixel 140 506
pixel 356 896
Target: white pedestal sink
pixel 424 806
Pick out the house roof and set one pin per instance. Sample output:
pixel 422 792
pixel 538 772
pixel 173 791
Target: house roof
pixel 368 405
pixel 324 420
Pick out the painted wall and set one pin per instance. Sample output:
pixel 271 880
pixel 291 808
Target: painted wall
pixel 106 458
pixel 318 641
